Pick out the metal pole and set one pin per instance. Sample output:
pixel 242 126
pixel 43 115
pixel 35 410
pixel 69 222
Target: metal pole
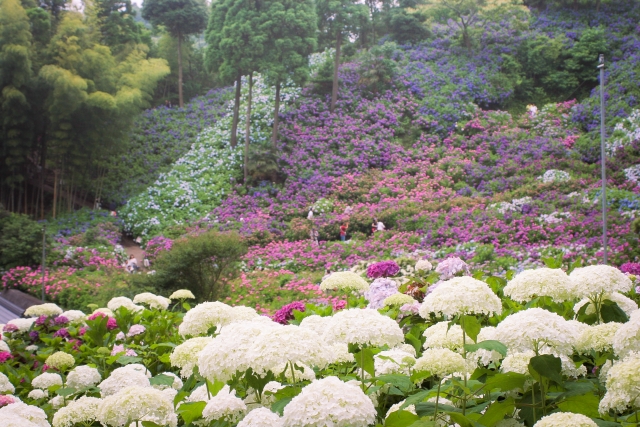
pixel 44 246
pixel 603 161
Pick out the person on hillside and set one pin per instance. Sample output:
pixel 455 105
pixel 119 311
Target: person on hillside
pixel 314 236
pixel 327 273
pixel 145 262
pixel 343 232
pixel 380 226
pixel 132 264
pixel 310 214
pixel 374 226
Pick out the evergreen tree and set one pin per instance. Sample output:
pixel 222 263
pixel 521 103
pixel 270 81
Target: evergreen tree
pixel 291 27
pixel 337 19
pixel 236 46
pixel 181 18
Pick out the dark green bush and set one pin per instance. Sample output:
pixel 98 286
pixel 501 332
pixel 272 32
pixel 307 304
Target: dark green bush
pixel 203 264
pixel 20 241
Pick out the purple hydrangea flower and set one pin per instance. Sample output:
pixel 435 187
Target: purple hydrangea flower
pixel 286 312
pixel 383 269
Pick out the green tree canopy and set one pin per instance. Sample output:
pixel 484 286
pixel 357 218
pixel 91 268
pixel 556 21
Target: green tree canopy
pixel 180 18
pixel 291 27
pixel 15 78
pixel 336 20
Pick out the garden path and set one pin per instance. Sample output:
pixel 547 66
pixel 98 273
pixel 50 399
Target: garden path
pixel 132 248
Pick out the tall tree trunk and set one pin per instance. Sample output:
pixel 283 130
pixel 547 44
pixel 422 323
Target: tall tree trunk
pixel 55 191
pixel 276 116
pixel 334 92
pixel 42 172
pixel 236 113
pixel 247 133
pixel 180 99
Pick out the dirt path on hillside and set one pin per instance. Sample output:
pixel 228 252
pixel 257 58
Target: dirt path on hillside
pixel 132 248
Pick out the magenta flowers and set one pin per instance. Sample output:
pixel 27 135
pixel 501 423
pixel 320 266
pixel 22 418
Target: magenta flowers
pixel 383 269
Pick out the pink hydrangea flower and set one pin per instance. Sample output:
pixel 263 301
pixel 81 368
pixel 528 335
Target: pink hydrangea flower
pixel 6 400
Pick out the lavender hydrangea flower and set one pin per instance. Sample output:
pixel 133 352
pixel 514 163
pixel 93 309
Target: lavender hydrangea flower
pixel 379 290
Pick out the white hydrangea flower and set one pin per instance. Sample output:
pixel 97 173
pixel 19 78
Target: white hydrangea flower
pixel 182 294
pixel 441 335
pixel 565 419
pixel 224 406
pixel 47 309
pixel 604 370
pixel 32 348
pixel 517 362
pixel 423 265
pixel 277 346
pixel 461 295
pixel 46 380
pixel 569 368
pixel 185 356
pixel 623 388
pixel 152 300
pixel 329 402
pixel 137 404
pixel 364 327
pixel 230 351
pixel 486 357
pixel 554 175
pixel 397 300
pixel 199 394
pixel 83 376
pixel 339 353
pixel 74 316
pixel 20 414
pixel 626 304
pixel 138 368
pixel 597 338
pixel 396 407
pixel 117 302
pixel 83 410
pixel 60 361
pixel 36 394
pixel 393 361
pixel 551 282
pixel 23 325
pixel 316 323
pixel 242 313
pixel 5 385
pixel 176 385
pixel 627 338
pixel 122 378
pixel 595 280
pixel 536 328
pixel 261 417
pixel 4 346
pixel 344 280
pixel 57 402
pixel 441 362
pixel 202 317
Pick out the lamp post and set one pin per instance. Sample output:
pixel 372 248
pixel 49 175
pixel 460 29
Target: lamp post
pixel 44 246
pixel 603 160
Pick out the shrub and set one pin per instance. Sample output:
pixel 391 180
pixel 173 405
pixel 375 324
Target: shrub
pixel 20 241
pixel 203 264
